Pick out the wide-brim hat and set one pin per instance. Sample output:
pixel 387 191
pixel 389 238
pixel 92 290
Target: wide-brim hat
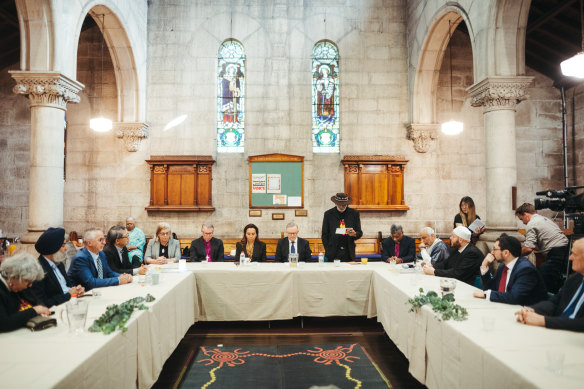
pixel 50 241
pixel 342 199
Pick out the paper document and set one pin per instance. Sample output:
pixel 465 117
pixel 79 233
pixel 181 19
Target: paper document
pixel 478 223
pixel 426 257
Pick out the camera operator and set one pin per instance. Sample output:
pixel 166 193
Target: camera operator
pixel 548 239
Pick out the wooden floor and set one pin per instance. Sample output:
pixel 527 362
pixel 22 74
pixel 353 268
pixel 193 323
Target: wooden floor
pixel 366 332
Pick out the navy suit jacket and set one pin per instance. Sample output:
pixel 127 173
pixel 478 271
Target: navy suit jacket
pixel 302 248
pixel 553 308
pixel 407 249
pixel 83 271
pixel 113 260
pixel 48 290
pixel 525 286
pixel 198 252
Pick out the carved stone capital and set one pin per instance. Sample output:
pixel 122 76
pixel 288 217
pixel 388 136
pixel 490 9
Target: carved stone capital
pixel 51 89
pixel 423 136
pixel 132 134
pixel 496 93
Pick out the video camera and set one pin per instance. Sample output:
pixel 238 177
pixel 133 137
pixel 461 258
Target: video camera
pixel 566 200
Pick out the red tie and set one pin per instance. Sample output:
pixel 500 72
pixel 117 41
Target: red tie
pixel 503 281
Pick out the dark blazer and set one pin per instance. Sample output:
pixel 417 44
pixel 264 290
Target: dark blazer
pixel 113 260
pixel 525 286
pixel 10 317
pixel 198 252
pixel 83 271
pixel 553 308
pixel 259 251
pixel 407 249
pixel 464 266
pixel 330 222
pixel 48 290
pixel 302 248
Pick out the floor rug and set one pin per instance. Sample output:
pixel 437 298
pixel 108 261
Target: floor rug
pixel 284 366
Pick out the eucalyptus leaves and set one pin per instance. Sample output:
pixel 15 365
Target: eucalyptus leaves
pixel 116 315
pixel 444 307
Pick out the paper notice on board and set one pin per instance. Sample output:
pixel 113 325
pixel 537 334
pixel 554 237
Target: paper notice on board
pixel 258 183
pixel 274 183
pixel 294 201
pixel 280 199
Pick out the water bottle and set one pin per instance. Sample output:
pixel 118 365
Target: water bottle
pixel 320 259
pixel 207 259
pixel 242 258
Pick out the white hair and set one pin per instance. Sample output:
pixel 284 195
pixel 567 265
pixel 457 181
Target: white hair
pixel 21 267
pixel 90 234
pixel 428 230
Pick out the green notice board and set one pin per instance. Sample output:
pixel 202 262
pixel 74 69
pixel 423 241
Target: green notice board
pixel 276 181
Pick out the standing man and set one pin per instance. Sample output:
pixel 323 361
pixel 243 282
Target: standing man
pixel 207 246
pixel 137 241
pixel 398 247
pixel 565 310
pixel 463 263
pixel 436 248
pixel 546 237
pixel 341 227
pixel 89 266
pixel 55 288
pixel 117 254
pixel 293 245
pixel 517 281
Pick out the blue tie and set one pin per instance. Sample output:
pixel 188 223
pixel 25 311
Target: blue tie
pixel 572 306
pixel 293 249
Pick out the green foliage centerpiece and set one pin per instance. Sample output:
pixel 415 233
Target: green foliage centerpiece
pixel 444 307
pixel 116 315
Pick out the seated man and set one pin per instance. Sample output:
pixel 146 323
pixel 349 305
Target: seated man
pixel 436 248
pixel 565 310
pixel 117 254
pixel 293 244
pixel 517 281
pixel 463 263
pixel 55 288
pixel 89 266
pixel 399 247
pixel 207 246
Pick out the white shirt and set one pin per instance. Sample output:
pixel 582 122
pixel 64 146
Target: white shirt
pixel 58 274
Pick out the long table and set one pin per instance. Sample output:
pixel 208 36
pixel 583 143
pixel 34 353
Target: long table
pixel 442 354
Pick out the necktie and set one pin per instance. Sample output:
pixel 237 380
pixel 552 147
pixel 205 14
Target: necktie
pixel 503 282
pixel 99 268
pixel 293 249
pixel 572 306
pixel 396 249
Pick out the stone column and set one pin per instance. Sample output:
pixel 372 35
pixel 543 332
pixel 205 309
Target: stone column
pixel 49 94
pixel 499 96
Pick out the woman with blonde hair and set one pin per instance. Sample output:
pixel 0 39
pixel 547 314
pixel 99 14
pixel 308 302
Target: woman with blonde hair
pixel 251 245
pixel 162 249
pixel 467 215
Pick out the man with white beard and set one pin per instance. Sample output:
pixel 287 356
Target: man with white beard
pixel 56 287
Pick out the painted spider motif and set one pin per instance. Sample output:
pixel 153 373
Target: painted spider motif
pixel 334 355
pixel 227 358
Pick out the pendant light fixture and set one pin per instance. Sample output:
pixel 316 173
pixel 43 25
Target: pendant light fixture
pixel 100 123
pixel 574 67
pixel 451 127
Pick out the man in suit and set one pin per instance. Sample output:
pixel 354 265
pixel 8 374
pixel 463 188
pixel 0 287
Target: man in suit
pixel 565 310
pixel 117 254
pixel 293 244
pixel 517 281
pixel 89 266
pixel 464 261
pixel 207 247
pixel 56 287
pixel 398 247
pixel 341 227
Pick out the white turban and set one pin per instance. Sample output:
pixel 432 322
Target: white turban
pixel 462 232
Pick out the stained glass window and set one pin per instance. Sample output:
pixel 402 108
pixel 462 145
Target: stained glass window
pixel 325 98
pixel 230 97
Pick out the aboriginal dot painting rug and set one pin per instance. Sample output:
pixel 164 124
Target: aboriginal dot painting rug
pixel 285 366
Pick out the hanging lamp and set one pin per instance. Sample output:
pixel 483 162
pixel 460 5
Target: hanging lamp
pixel 451 127
pixel 101 123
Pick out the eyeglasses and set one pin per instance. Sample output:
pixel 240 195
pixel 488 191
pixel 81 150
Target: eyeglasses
pixel 165 233
pixel 124 236
pixel 101 239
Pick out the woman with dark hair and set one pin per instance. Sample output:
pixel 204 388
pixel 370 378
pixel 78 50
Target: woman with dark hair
pixel 251 244
pixel 467 215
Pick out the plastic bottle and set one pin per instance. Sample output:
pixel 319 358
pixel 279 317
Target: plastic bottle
pixel 320 258
pixel 242 258
pixel 73 299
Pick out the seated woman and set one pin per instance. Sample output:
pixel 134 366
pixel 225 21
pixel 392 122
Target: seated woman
pixel 162 249
pixel 467 215
pixel 250 243
pixel 17 306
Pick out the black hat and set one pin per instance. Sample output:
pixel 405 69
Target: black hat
pixel 341 199
pixel 50 241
